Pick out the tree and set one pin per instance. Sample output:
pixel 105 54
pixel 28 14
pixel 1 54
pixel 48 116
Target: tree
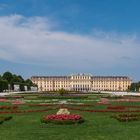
pixel 62 91
pixel 3 85
pixel 13 79
pixel 16 78
pixel 28 81
pixel 21 79
pixel 7 76
pixel 134 87
pixel 22 87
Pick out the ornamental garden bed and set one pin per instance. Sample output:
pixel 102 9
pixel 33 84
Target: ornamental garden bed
pixel 69 104
pixel 122 107
pixel 116 107
pixel 27 111
pixel 126 100
pixel 62 119
pixel 63 116
pixel 13 97
pixel 64 96
pixel 127 117
pixel 27 121
pixel 8 107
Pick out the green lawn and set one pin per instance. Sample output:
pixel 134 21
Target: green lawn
pixel 97 126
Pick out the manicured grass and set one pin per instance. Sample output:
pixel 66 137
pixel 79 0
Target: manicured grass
pixel 97 126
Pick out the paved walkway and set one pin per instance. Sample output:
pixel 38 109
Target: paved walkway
pixel 10 93
pixel 121 93
pixel 109 92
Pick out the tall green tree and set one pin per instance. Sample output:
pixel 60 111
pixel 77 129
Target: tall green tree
pixel 13 79
pixel 21 78
pixel 135 87
pixel 3 85
pixel 22 88
pixel 28 81
pixel 7 76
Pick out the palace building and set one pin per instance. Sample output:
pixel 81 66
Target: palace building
pixel 82 82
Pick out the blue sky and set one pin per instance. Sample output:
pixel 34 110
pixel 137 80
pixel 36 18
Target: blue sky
pixel 80 15
pixel 51 37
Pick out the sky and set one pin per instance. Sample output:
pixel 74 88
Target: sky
pixel 61 37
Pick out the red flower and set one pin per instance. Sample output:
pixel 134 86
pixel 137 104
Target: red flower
pixel 63 117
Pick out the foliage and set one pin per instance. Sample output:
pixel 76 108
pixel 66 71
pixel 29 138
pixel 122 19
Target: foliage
pixel 3 85
pixel 28 81
pixel 62 91
pixel 8 76
pixel 11 79
pixel 22 86
pixel 135 87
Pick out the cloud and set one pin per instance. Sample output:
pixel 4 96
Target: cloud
pixel 33 40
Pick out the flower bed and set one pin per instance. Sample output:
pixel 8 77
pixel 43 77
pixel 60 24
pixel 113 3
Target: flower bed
pixel 127 117
pixel 103 102
pixel 70 108
pixel 65 96
pixel 102 111
pixel 8 107
pixel 126 100
pixel 39 105
pixel 3 99
pixel 122 107
pixel 13 97
pixel 27 111
pixel 71 104
pixel 117 107
pixel 62 119
pixel 18 102
pixel 132 106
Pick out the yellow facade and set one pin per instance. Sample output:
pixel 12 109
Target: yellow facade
pixel 82 82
